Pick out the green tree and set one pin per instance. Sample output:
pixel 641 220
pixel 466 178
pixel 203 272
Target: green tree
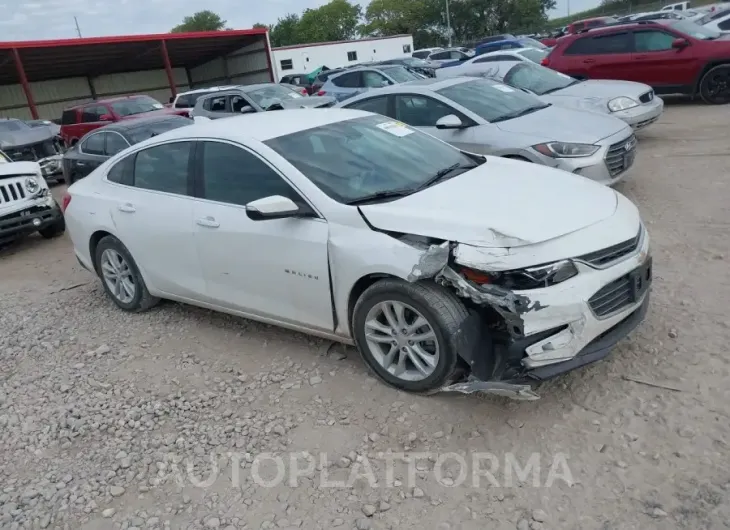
pixel 421 18
pixel 285 32
pixel 201 21
pixel 336 20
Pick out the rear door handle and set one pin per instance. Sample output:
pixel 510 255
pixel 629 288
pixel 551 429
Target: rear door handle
pixel 126 208
pixel 589 61
pixel 208 222
pixel 640 56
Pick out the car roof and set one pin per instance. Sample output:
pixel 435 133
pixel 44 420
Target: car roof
pixel 107 100
pixel 208 89
pixel 263 126
pixel 136 123
pixel 620 26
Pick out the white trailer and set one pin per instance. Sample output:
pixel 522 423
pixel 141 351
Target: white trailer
pixel 305 58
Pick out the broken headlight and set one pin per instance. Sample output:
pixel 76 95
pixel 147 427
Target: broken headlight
pixel 566 149
pixel 524 279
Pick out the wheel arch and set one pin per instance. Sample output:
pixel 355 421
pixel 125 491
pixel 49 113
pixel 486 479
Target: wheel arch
pixel 708 66
pixel 359 287
pixel 94 240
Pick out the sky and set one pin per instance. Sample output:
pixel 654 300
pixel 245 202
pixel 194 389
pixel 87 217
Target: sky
pixel 54 19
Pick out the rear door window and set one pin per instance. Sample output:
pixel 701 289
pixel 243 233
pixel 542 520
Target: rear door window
pixel 93 113
pixel 164 168
pixel 215 104
pixel 94 144
pixel 348 80
pixel 601 44
pixel 115 143
pixel 377 105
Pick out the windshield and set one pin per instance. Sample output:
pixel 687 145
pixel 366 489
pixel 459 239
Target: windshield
pixel 141 133
pixel 12 125
pixel 399 74
pixel 138 105
pixel 695 30
pixel 412 61
pixel 537 79
pixel 536 56
pixel 532 43
pixel 353 159
pixel 268 95
pixel 491 100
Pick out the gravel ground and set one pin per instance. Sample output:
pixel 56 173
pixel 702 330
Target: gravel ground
pixel 176 418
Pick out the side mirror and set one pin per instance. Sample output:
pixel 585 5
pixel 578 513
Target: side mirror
pixel 680 44
pixel 246 109
pixel 273 207
pixel 106 117
pixel 449 122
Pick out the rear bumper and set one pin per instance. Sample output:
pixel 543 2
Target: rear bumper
pixel 39 214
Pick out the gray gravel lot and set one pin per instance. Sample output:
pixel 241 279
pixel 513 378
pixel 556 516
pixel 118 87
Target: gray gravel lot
pixel 101 412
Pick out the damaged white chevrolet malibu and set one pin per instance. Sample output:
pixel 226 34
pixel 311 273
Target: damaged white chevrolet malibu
pixel 447 269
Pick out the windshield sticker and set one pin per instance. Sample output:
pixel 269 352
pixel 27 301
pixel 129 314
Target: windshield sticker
pixel 158 106
pixel 503 88
pixel 395 128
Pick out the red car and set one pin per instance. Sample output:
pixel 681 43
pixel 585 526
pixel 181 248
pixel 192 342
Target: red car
pixel 79 120
pixel 672 56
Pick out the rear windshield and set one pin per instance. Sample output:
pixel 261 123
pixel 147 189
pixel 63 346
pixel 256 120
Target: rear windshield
pixel 536 56
pixel 138 105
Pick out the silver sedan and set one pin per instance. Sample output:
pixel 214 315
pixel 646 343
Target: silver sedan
pixel 487 117
pixel 634 103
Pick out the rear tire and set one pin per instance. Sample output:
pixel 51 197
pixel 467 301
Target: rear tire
pixel 408 356
pixel 714 86
pixel 121 278
pixel 54 230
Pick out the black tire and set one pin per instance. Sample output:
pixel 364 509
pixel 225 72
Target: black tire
pixel 54 230
pixel 444 312
pixel 142 300
pixel 714 86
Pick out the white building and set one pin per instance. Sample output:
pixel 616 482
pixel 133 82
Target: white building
pixel 305 58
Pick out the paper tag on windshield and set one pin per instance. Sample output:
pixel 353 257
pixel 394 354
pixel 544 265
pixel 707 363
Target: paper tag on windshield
pixel 295 95
pixel 503 88
pixel 158 105
pixel 395 128
pixel 563 75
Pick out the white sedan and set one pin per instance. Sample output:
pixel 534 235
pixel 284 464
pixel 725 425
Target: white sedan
pixel 438 264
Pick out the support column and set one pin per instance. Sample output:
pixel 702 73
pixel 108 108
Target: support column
pixel 24 83
pixel 92 89
pixel 168 68
pixel 267 49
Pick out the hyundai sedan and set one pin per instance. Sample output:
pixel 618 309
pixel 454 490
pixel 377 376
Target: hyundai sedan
pixel 633 103
pixel 488 117
pixel 437 263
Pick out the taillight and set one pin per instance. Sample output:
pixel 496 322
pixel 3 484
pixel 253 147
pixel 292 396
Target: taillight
pixel 321 93
pixel 65 201
pixel 303 91
pixel 544 61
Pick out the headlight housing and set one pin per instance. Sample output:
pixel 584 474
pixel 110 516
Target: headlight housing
pixel 622 103
pixel 566 149
pixel 32 185
pixel 525 279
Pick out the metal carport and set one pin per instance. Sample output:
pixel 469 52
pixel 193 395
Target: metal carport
pixel 38 79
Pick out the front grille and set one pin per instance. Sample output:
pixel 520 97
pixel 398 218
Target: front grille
pixel 603 257
pixel 617 160
pixel 32 153
pixel 647 97
pixel 11 192
pixel 612 297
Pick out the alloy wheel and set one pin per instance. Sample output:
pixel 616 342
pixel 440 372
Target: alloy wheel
pixel 401 340
pixel 118 276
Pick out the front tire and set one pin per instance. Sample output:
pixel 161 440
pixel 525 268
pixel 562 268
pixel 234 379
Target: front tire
pixel 714 86
pixel 120 276
pixel 405 333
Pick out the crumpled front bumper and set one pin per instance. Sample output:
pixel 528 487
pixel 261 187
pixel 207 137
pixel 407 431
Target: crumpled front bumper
pixel 52 167
pixel 30 217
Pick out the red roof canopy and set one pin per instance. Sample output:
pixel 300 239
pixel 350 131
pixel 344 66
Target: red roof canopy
pixel 56 59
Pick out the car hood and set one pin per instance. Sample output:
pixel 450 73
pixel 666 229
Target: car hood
pixel 574 125
pixel 308 102
pixel 605 89
pixel 19 168
pixel 29 136
pixel 502 203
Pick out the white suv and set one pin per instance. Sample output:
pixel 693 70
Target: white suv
pixel 26 204
pixel 186 100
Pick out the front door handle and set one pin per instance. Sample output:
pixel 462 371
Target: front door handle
pixel 208 222
pixel 126 208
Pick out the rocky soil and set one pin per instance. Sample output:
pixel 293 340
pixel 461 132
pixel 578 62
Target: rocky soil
pixel 182 418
